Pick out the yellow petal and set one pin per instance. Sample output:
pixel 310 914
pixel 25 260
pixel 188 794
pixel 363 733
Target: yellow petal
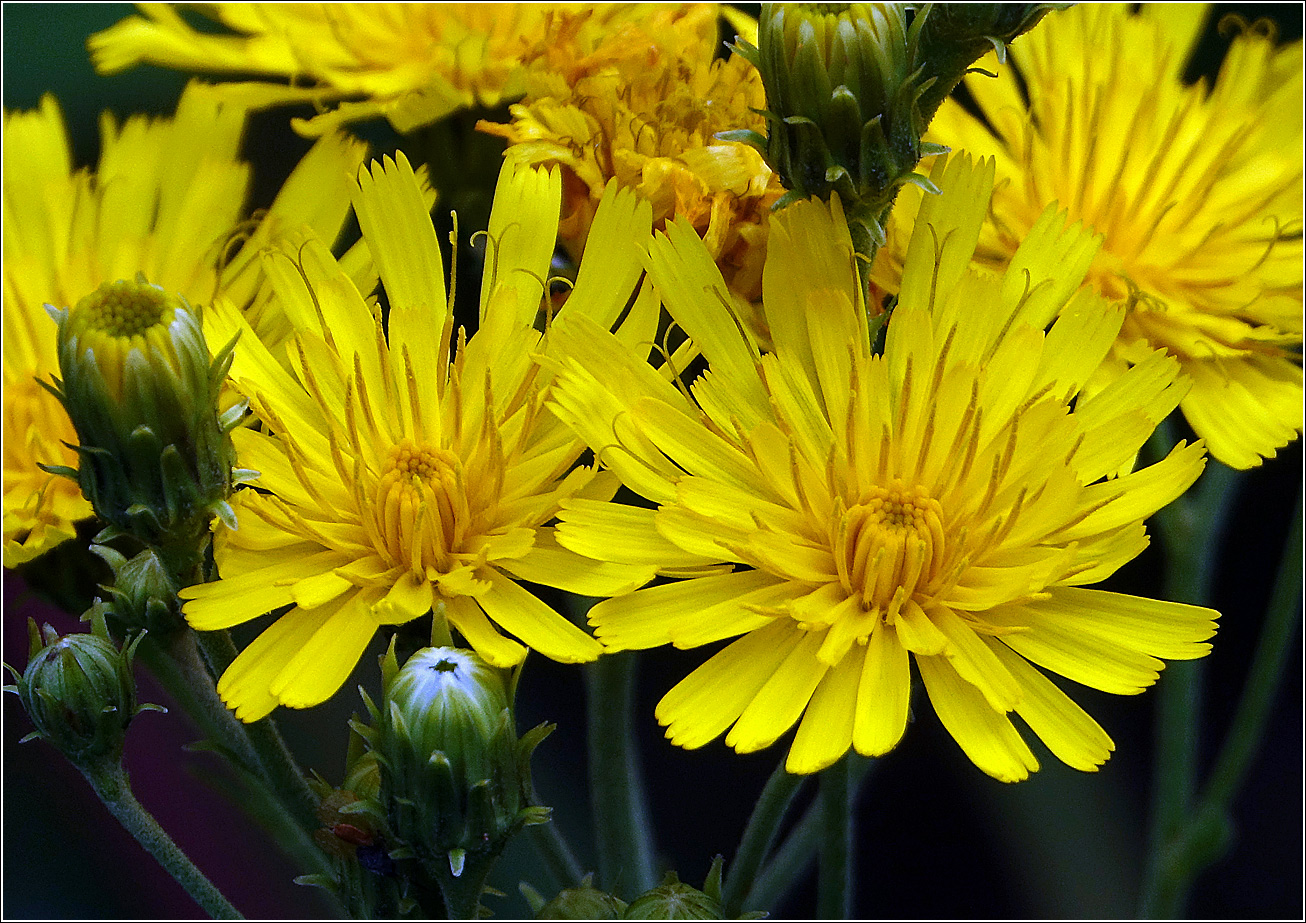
pixel 986 736
pixel 826 731
pixel 702 705
pixel 517 610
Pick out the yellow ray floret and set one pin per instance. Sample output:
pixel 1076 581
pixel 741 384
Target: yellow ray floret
pixel 945 501
pixel 1195 189
pixel 405 470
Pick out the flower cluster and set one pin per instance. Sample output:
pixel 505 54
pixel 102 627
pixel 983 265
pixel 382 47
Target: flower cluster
pixel 715 387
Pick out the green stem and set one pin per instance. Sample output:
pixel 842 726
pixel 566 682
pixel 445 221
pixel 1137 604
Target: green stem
pixel 1204 833
pixel 110 784
pixel 622 832
pixel 273 759
pixel 557 855
pixel 1190 528
pixel 177 665
pixel 798 850
pixel 834 893
pixel 768 814
pixel 1266 673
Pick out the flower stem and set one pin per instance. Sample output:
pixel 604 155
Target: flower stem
pixel 834 893
pixel 557 855
pixel 768 814
pixel 1191 528
pixel 177 665
pixel 110 783
pixel 273 759
pixel 798 850
pixel 1203 832
pixel 622 832
pixel 1265 675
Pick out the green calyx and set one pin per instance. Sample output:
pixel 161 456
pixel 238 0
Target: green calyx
pixel 79 692
pixel 142 392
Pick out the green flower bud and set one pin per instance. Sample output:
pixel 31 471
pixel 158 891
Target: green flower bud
pixel 850 89
pixel 583 903
pixel 455 779
pixel 674 900
pixel 79 692
pixel 143 593
pixel 142 393
pixel 841 91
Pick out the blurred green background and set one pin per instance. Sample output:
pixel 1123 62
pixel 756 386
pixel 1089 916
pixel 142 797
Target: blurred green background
pixel 937 837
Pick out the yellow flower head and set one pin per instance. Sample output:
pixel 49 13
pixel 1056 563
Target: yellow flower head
pixel 413 63
pixel 403 468
pixel 643 108
pixel 167 200
pixel 948 500
pixel 1196 191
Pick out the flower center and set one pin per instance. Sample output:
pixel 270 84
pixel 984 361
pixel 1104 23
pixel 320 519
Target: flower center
pixel 421 508
pixel 892 539
pixel 123 309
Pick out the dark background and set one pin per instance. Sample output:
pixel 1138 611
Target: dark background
pixel 936 837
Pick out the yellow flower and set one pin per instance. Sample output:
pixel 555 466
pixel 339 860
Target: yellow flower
pixel 406 469
pixel 1196 190
pixel 167 200
pixel 950 499
pixel 642 108
pixel 413 63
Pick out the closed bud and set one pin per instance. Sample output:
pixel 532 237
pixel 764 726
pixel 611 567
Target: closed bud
pixel 674 900
pixel 585 902
pixel 141 391
pixel 841 97
pixel 79 692
pixel 851 88
pixel 143 594
pixel 455 778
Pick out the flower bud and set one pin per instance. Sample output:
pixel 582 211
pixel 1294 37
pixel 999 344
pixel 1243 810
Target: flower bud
pixel 841 91
pixel 851 87
pixel 956 35
pixel 585 902
pixel 79 692
pixel 143 593
pixel 674 900
pixel 455 779
pixel 138 384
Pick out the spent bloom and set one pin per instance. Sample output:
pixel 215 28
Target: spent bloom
pixel 166 200
pixel 947 502
pixel 1195 189
pixel 405 467
pixel 412 63
pixel 643 107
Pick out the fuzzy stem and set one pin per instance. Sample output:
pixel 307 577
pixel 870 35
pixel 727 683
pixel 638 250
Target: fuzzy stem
pixel 835 869
pixel 110 783
pixel 1201 834
pixel 273 759
pixel 622 831
pixel 1191 528
pixel 557 855
pixel 763 825
pixel 796 853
